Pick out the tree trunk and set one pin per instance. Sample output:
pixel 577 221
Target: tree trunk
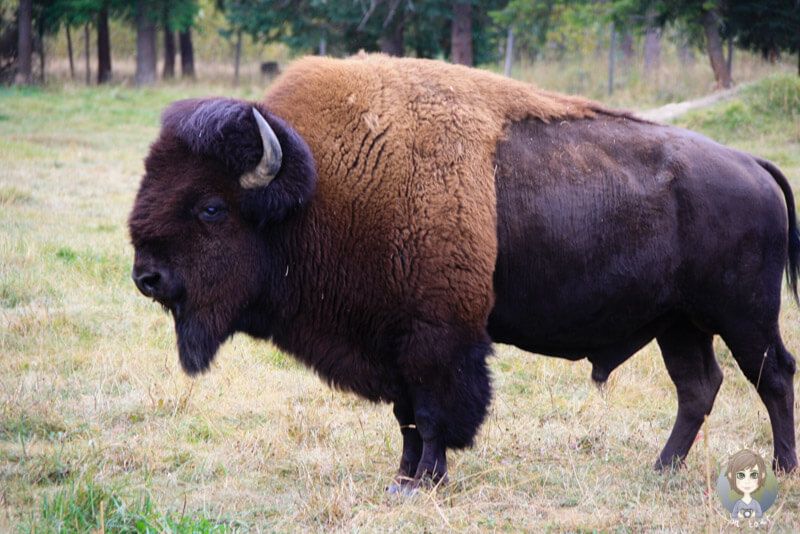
pixel 730 56
pixel 509 51
pixel 187 53
pixel 652 46
pixel 392 42
pixel 103 47
pixel 714 46
pixel 461 34
pixel 86 43
pixel 627 48
pixel 145 47
pixel 686 55
pixel 69 51
pixel 169 54
pixel 41 49
pixel 611 54
pixel 24 74
pixel 237 58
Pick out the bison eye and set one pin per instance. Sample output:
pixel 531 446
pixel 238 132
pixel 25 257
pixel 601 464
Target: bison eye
pixel 213 212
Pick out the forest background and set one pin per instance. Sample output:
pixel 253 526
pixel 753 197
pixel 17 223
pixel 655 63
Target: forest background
pixel 156 32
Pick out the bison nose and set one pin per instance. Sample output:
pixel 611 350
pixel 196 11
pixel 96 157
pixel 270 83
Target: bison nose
pixel 148 282
pixel 158 283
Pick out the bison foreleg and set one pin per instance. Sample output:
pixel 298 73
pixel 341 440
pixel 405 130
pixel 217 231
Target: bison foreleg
pixel 424 460
pixel 449 391
pixel 689 356
pixel 428 414
pixel 412 441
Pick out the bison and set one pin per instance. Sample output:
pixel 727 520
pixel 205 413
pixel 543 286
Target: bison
pixel 385 220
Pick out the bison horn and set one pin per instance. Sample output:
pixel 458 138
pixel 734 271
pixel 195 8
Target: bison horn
pixel 270 162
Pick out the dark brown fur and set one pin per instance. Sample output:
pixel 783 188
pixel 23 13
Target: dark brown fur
pixel 422 208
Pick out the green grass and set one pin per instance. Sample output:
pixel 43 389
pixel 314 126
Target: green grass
pixel 101 431
pixel 674 80
pixel 763 118
pixel 80 505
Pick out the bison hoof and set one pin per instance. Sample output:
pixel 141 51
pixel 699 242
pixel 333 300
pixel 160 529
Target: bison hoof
pixel 669 465
pixel 402 490
pixel 408 487
pixel 788 467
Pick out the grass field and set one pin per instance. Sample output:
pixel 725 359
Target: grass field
pixel 101 431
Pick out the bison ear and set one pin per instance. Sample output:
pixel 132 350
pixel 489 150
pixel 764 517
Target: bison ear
pixel 289 182
pixel 269 160
pixel 220 128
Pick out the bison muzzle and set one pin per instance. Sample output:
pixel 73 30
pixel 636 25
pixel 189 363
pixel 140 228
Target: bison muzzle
pixel 385 220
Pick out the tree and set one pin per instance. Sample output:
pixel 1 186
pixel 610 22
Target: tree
pixel 703 17
pixel 461 35
pixel 103 45
pixel 711 28
pixel 236 12
pixel 178 15
pixel 652 45
pixel 396 27
pixel 70 53
pixel 86 40
pixel 145 44
pixel 392 39
pixel 187 53
pixel 51 14
pixel 148 16
pixel 766 26
pixel 47 16
pixel 531 21
pixel 25 47
pixel 169 54
pixel 9 42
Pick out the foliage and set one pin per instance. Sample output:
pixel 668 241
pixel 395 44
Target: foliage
pixel 55 13
pixel 179 14
pixel 349 26
pixel 173 14
pixel 531 22
pixel 766 26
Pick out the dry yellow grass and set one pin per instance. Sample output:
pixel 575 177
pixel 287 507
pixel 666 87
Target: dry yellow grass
pixel 94 409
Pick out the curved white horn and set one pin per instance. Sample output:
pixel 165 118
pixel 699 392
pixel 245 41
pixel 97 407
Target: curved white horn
pixel 270 162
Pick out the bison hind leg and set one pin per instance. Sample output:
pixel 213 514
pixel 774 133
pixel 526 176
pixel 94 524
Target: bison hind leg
pixel 770 367
pixel 689 357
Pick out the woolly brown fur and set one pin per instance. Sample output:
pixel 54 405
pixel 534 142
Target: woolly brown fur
pixel 404 144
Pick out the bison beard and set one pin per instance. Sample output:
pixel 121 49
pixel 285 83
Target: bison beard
pixel 197 345
pixel 422 211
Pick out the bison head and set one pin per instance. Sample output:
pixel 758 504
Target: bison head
pixel 221 176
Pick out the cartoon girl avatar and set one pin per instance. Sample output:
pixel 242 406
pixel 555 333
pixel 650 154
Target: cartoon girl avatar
pixel 746 475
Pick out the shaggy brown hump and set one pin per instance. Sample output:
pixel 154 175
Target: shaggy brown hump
pixel 404 146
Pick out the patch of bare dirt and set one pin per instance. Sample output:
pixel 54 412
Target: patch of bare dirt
pixel 674 109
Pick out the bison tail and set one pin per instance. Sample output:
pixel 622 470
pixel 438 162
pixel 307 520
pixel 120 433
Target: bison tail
pixel 793 262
